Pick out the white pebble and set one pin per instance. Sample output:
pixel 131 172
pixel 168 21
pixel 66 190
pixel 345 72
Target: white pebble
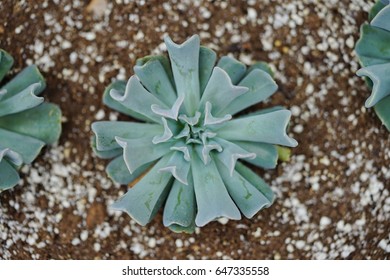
pixel 325 221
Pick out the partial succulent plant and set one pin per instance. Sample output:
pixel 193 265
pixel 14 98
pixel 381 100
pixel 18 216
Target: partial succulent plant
pixel 26 122
pixel 187 153
pixel 373 50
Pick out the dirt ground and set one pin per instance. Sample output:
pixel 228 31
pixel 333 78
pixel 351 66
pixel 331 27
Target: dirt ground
pixel 333 199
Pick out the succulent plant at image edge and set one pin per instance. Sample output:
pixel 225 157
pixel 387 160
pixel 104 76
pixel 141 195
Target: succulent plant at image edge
pixel 185 154
pixel 27 123
pixel 373 50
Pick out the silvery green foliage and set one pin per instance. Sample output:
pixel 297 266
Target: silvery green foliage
pixel 189 147
pixel 26 122
pixel 373 49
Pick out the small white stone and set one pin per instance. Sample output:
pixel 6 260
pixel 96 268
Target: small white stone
pixel 290 248
pixel 350 42
pixel 96 247
pixel 76 241
pixel 325 221
pixel 300 244
pixel 384 245
pixel 295 110
pixel 252 14
pixel 84 235
pixel 297 177
pixel 179 243
pixel 309 89
pixel 100 115
pixel 152 242
pixel 223 220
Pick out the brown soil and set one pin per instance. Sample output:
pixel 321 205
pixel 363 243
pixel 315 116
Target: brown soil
pixel 333 196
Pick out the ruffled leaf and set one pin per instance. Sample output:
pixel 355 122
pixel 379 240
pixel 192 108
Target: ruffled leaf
pixel 120 86
pixel 373 47
pixel 256 181
pixel 267 128
pixel 203 151
pixel 234 68
pixel 382 109
pixel 207 59
pixel 261 65
pixel 24 100
pixel 9 176
pixel 382 19
pixel 212 198
pixel 178 167
pixel 179 229
pixel 376 8
pixel 209 119
pixel 137 152
pixel 138 99
pixel 266 154
pixel 164 62
pixel 143 200
pixel 230 153
pixel 6 62
pixel 106 131
pixel 180 207
pixel 12 156
pixel 185 65
pixel 42 122
pixel 247 197
pixel 28 76
pixel 154 77
pixel 26 146
pixel 220 91
pixel 105 154
pixel 379 75
pixel 117 170
pixel 261 86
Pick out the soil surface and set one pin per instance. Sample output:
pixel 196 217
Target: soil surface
pixel 333 196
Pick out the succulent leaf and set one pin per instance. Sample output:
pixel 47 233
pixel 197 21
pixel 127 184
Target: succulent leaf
pixel 24 100
pixel 27 77
pixel 261 86
pixel 189 158
pixel 155 79
pixel 144 199
pixel 9 176
pixel 26 123
pixel 379 75
pixel 118 171
pixel 252 129
pixel 266 154
pixel 212 198
pixel 220 91
pixel 105 131
pixel 136 98
pixel 185 66
pixel 247 197
pixel 6 62
pixel 120 86
pixel 207 59
pixel 30 122
pixel 379 5
pixel 373 50
pixel 381 20
pixel 180 207
pixel 383 111
pixel 234 68
pixel 27 147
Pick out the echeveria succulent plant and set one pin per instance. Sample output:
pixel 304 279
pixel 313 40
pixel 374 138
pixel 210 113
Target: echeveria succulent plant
pixel 26 122
pixel 185 156
pixel 373 50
